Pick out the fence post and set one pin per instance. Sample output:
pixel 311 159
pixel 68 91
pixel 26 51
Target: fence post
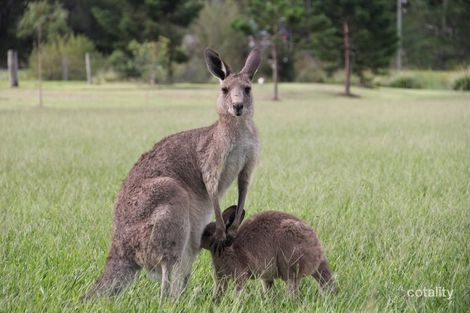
pixel 88 68
pixel 13 67
pixel 65 68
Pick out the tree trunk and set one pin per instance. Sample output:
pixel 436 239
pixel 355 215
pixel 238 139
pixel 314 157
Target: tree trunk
pixel 347 54
pixel 40 65
pixel 89 78
pixel 274 68
pixel 13 67
pixel 65 68
pixel 169 77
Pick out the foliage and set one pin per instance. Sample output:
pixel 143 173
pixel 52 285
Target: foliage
pixel 44 19
pixel 151 58
pixel 210 30
pixel 435 34
pixel 409 82
pixel 10 14
pixel 372 34
pixel 462 83
pixel 271 24
pixel 123 21
pixel 72 49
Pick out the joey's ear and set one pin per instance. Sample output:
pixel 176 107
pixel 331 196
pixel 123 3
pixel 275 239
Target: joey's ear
pixel 243 216
pixel 229 215
pixel 252 63
pixel 207 236
pixel 216 65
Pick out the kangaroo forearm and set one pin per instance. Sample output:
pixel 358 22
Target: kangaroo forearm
pixel 219 220
pixel 243 183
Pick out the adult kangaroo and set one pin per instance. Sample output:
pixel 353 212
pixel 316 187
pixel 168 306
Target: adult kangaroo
pixel 169 195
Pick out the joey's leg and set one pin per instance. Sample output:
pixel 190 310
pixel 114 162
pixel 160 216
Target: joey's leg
pixel 240 283
pixel 293 281
pixel 267 284
pixel 220 284
pixel 293 287
pixel 156 274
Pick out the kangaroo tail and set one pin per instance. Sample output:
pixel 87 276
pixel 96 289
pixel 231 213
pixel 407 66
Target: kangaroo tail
pixel 117 275
pixel 325 278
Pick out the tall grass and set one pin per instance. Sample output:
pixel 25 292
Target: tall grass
pixel 384 180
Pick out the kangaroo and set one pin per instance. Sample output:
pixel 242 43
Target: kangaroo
pixel 170 193
pixel 270 245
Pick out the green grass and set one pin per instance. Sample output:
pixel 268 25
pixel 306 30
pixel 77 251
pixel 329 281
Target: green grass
pixel 384 180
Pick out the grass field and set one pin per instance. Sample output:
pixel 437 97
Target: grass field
pixel 384 179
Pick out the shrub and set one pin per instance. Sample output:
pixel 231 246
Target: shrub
pixel 72 49
pixel 122 64
pixel 406 82
pixel 462 83
pixel 151 58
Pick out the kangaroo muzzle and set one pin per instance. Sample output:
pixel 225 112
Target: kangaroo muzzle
pixel 238 109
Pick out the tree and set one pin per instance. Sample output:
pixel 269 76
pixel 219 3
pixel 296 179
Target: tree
pixel 47 21
pixel 361 36
pixel 435 33
pixel 122 21
pixel 271 21
pixel 151 58
pixel 10 13
pixel 209 30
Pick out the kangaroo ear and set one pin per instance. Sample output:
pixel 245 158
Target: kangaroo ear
pixel 207 236
pixel 216 65
pixel 252 63
pixel 243 216
pixel 229 215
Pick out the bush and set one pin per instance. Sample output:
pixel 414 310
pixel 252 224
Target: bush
pixel 72 49
pixel 308 69
pixel 151 59
pixel 406 82
pixel 462 83
pixel 122 64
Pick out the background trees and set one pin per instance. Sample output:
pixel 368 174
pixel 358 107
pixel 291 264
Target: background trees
pixel 355 36
pixel 47 22
pixel 360 36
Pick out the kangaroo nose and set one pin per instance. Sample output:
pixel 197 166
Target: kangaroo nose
pixel 238 107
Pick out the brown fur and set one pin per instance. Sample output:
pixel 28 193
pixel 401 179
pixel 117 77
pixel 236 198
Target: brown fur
pixel 169 195
pixel 270 245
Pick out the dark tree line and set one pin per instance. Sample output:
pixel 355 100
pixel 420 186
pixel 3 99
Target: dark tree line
pixel 358 36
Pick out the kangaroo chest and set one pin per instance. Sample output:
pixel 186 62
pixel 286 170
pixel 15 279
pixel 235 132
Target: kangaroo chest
pixel 239 154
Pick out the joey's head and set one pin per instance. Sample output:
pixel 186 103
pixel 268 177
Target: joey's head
pixel 235 97
pixel 207 239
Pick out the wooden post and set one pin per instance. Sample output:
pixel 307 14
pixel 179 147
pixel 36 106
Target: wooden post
pixel 347 53
pixel 274 68
pixel 88 68
pixel 13 67
pixel 399 33
pixel 65 68
pixel 40 65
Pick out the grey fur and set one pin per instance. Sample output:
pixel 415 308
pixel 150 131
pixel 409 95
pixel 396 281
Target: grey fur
pixel 270 245
pixel 171 192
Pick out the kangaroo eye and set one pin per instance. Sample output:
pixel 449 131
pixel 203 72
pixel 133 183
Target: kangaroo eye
pixel 224 90
pixel 247 90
